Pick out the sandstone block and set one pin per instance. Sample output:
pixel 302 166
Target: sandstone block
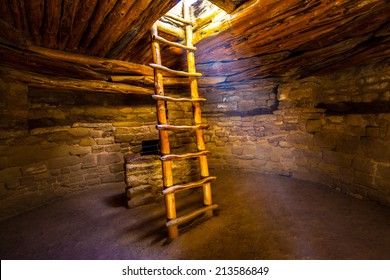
pixel 117 167
pixel 46 130
pixel 63 162
pixel 363 165
pixel 79 151
pixel 354 119
pixel 93 182
pixel 65 170
pixel 237 150
pixel 348 144
pixel 107 178
pixel 104 141
pixel 119 177
pixel 119 138
pixel 97 149
pixel 87 142
pixel 313 125
pixel 33 169
pixel 375 149
pixel 383 171
pixel 113 148
pixel 76 179
pixel 300 138
pixel 79 131
pixel 88 161
pixel 325 139
pixel 106 159
pixel 372 131
pixel 336 158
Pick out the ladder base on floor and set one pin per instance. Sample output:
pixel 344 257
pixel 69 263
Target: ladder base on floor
pixel 191 215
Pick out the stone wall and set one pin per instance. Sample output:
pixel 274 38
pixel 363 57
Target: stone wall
pixel 339 126
pixel 329 129
pixel 242 133
pixel 56 143
pixel 53 143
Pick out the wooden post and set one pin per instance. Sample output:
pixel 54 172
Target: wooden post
pixel 170 206
pixel 204 169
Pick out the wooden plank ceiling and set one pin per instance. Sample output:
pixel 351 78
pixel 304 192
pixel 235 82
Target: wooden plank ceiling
pixel 256 39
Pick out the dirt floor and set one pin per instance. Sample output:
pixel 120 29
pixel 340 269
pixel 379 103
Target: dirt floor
pixel 260 217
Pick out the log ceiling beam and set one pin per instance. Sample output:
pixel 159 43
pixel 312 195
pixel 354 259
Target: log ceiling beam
pixel 95 63
pixel 226 5
pixel 35 80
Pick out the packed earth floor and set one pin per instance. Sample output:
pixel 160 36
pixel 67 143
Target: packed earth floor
pixel 259 217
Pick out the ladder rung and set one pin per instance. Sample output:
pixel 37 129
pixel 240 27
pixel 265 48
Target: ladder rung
pixel 184 156
pixel 177 18
pixel 176 72
pixel 167 98
pixel 181 127
pixel 169 29
pixel 191 215
pixel 188 186
pixel 165 41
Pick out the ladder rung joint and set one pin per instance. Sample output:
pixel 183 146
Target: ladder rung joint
pixel 191 215
pixel 177 18
pixel 191 185
pixel 178 45
pixel 176 72
pixel 184 156
pixel 181 127
pixel 167 98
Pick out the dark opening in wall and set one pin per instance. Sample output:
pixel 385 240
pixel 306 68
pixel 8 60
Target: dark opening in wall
pixel 150 147
pixel 374 107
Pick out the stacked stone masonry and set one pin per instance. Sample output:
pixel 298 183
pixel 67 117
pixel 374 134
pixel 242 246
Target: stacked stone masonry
pixel 330 129
pixel 339 126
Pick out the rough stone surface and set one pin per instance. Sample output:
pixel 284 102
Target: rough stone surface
pixel 332 129
pixel 349 134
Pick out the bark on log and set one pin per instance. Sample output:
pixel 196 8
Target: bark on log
pixel 19 14
pixel 83 14
pixel 142 24
pixel 66 23
pixel 35 12
pixel 96 21
pixel 226 5
pixel 171 30
pixel 12 37
pixel 117 18
pixel 44 64
pixel 51 23
pixel 137 9
pixel 40 81
pixel 95 63
pixel 5 12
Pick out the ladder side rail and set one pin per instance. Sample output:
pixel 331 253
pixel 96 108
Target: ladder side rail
pixel 170 205
pixel 204 169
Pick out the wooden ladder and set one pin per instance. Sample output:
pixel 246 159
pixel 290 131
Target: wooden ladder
pixel 164 127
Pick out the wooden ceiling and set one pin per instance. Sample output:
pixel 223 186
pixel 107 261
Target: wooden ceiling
pixel 295 37
pixel 105 28
pixel 259 38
